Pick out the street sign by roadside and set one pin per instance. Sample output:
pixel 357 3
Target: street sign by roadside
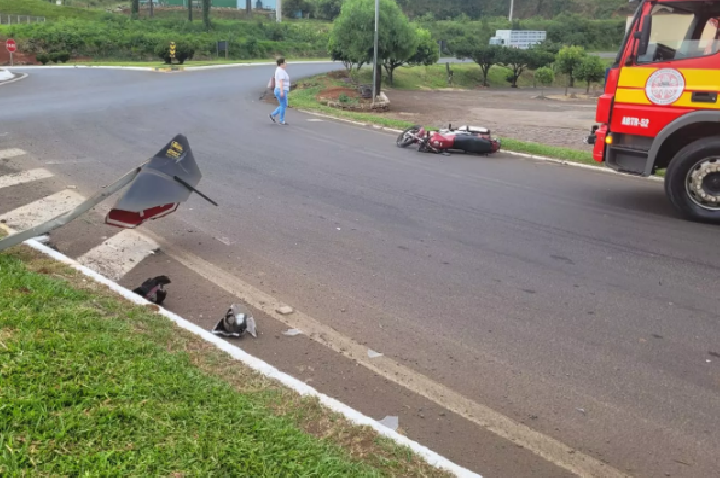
pixel 172 49
pixel 11 47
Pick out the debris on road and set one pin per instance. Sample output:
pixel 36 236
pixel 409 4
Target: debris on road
pixel 236 322
pixel 153 289
pixel 292 332
pixel 392 422
pixel 581 410
pixel 373 354
pixel 284 310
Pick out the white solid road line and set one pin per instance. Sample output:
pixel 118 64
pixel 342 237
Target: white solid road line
pixel 542 445
pixel 24 177
pixel 37 212
pixel 119 255
pixel 10 153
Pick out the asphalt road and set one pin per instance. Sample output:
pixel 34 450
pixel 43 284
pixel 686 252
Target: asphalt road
pixel 574 301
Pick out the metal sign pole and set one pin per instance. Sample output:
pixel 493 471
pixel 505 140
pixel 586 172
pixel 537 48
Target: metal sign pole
pixel 375 53
pixel 11 58
pixel 65 218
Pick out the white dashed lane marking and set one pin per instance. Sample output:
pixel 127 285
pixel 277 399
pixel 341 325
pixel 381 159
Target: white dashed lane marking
pixel 119 255
pixel 24 177
pixel 37 212
pixel 10 153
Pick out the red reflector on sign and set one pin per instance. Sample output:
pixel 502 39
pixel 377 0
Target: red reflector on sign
pixel 130 220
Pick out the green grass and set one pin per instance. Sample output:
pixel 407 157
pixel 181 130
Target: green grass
pixel 92 385
pixel 306 99
pixel 50 11
pixel 159 63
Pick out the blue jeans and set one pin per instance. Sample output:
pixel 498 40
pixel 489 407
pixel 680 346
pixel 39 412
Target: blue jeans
pixel 283 104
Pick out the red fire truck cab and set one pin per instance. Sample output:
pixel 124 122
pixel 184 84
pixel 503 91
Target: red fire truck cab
pixel 660 106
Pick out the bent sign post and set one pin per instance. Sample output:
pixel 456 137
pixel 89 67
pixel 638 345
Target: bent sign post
pixel 157 188
pixel 11 47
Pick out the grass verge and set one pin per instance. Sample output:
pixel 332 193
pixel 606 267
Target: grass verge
pixel 305 98
pixel 94 385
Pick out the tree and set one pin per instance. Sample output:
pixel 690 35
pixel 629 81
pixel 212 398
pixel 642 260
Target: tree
pixel 134 8
pixel 484 55
pixel 545 76
pixel 353 34
pixel 206 5
pixel 427 52
pixel 568 60
pixel 591 70
pixel 518 61
pixel 190 10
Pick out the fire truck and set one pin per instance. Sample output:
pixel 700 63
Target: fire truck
pixel 660 106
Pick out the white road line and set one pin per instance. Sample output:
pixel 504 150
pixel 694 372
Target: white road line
pixel 37 212
pixel 542 445
pixel 24 177
pixel 119 255
pixel 10 153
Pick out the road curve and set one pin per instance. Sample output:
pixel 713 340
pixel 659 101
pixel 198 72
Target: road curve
pixel 573 301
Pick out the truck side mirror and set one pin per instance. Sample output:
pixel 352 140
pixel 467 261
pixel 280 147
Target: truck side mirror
pixel 644 35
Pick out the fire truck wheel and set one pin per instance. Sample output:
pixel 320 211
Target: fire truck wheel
pixel 692 181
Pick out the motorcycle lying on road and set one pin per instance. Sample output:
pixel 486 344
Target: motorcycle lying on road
pixel 468 139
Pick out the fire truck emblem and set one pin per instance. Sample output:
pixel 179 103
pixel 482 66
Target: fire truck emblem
pixel 665 87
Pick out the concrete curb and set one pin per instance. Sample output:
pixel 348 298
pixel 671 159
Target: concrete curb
pixel 12 78
pixel 563 162
pixel 167 68
pixel 264 368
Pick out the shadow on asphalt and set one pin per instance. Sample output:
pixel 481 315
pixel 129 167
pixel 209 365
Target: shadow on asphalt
pixel 643 201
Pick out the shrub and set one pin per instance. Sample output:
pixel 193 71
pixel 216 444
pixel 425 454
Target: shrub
pixel 59 57
pixel 43 58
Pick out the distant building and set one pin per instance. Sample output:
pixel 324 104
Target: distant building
pixel 522 39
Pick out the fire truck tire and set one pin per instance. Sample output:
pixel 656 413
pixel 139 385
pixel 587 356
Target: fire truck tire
pixel 703 156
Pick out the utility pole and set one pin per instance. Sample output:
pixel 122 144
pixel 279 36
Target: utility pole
pixel 376 68
pixel 152 10
pixel 278 11
pixel 512 2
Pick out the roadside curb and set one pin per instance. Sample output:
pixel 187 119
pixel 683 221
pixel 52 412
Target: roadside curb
pixel 264 368
pixel 564 162
pixel 168 68
pixel 6 80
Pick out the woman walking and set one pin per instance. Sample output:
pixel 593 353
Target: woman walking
pixel 282 88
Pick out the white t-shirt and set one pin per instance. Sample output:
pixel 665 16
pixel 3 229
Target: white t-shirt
pixel 281 74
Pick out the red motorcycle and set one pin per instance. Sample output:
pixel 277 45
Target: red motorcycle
pixel 469 139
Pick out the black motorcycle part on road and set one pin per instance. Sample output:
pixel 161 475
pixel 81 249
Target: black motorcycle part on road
pixel 473 144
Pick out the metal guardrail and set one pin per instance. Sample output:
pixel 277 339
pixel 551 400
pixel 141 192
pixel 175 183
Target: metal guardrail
pixel 6 19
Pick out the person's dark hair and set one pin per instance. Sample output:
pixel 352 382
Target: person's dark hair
pixel 280 61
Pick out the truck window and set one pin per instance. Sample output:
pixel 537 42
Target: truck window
pixel 681 31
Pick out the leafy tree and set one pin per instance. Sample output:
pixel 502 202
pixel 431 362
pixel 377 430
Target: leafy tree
pixel 327 9
pixel 483 54
pixel 518 60
pixel 427 52
pixel 591 70
pixel 569 60
pixel 545 76
pixel 353 34
pixel 206 5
